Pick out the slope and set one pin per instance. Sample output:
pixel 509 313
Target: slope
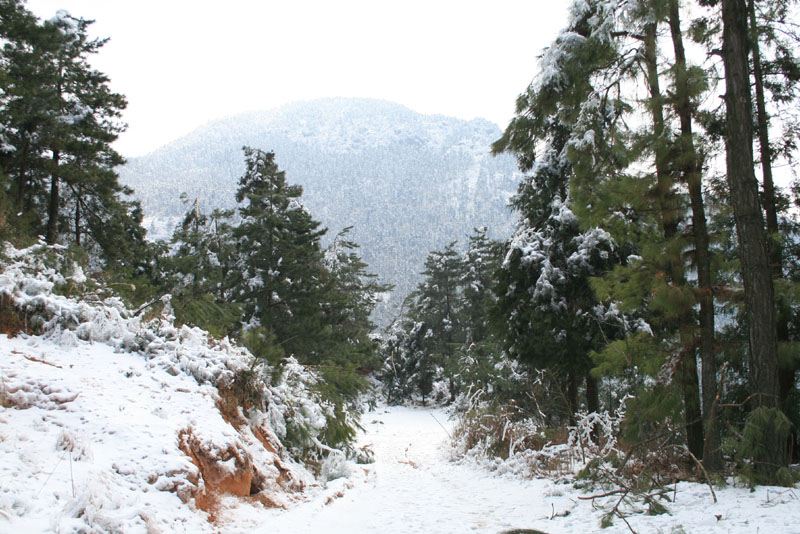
pixel 110 423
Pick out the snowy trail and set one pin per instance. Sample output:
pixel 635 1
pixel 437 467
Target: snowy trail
pixel 413 488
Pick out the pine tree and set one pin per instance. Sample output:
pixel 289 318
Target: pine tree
pixel 351 292
pixel 437 299
pixel 83 116
pixel 775 76
pixel 481 261
pixel 280 259
pixel 756 274
pixel 59 118
pixel 25 105
pixel 547 315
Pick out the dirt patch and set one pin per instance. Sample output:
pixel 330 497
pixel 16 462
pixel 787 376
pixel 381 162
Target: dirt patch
pixel 228 406
pixel 228 471
pixel 267 438
pixel 12 321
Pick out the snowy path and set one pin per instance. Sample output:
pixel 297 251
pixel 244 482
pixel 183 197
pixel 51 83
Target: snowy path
pixel 413 488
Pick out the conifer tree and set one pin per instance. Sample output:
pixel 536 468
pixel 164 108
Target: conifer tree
pixel 437 301
pixel 481 262
pixel 59 118
pixel 83 116
pixel 23 113
pixel 546 315
pixel 351 293
pixel 280 258
pixel 559 134
pixel 202 271
pixel 775 77
pixel 759 302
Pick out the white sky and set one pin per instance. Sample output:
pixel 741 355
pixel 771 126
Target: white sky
pixel 182 63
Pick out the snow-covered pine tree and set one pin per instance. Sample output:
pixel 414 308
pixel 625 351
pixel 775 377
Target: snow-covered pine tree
pixel 59 118
pixel 351 293
pixel 280 259
pixel 547 314
pixel 481 261
pixel 433 315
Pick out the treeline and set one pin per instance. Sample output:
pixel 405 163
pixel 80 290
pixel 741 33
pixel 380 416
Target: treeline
pixel 647 261
pixel 257 274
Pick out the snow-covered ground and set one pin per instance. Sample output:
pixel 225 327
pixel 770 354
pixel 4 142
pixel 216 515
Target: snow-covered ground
pixel 413 487
pixel 96 445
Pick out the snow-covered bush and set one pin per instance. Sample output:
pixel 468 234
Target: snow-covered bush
pixel 512 437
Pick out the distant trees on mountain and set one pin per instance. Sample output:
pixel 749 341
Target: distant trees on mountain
pixel 407 183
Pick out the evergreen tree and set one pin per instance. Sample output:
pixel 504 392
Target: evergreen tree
pixel 481 262
pixel 84 120
pixel 202 270
pixel 351 293
pixel 25 105
pixel 759 302
pixel 437 301
pixel 443 338
pixel 547 315
pixel 280 259
pixel 433 318
pixel 59 118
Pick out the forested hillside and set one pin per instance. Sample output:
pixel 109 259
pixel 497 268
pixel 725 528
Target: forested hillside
pixel 407 183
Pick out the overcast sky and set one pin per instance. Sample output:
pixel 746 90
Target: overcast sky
pixel 182 63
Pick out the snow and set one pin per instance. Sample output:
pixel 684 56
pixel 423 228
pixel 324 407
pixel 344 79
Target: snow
pixel 105 422
pixel 91 442
pixel 415 487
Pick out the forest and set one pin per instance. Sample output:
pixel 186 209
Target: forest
pixel 646 302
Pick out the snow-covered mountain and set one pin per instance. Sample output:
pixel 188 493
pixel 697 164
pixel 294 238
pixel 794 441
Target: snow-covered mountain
pixel 408 183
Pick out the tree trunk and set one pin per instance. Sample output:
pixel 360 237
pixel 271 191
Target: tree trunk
pixel 770 204
pixel 759 301
pixel 593 402
pixel 77 222
pixel 572 396
pixel 52 211
pixel 786 373
pixel 22 178
pixel 690 388
pixel 667 202
pixel 691 165
pixel 670 218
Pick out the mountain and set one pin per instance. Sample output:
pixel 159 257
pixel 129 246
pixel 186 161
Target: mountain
pixel 408 183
